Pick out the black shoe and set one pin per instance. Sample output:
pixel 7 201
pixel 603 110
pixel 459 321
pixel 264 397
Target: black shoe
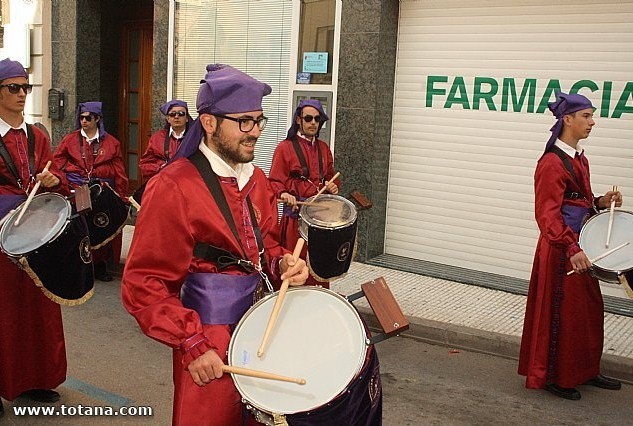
pixel 1 409
pixel 101 272
pixel 604 382
pixel 567 393
pixel 105 277
pixel 41 395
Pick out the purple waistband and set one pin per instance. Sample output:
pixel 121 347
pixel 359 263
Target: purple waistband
pixel 575 216
pixel 78 179
pixel 8 202
pixel 219 298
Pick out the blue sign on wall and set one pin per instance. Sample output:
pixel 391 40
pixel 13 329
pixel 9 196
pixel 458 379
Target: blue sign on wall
pixel 315 62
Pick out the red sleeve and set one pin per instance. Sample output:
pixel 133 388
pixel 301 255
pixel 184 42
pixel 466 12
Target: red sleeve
pixel 279 175
pixel 154 157
pixel 550 182
pixel 329 163
pixel 43 156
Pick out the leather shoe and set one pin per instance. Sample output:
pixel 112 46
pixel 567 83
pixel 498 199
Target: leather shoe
pixel 604 382
pixel 567 393
pixel 41 395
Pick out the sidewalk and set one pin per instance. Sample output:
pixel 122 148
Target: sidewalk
pixel 466 316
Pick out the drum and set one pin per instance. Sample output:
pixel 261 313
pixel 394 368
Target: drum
pixel 108 215
pixel 328 224
pixel 320 337
pixel 53 247
pixel 593 237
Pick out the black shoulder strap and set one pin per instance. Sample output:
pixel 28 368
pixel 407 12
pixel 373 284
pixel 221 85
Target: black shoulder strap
pixel 570 167
pixel 302 159
pixel 8 160
pixel 31 144
pixel 166 146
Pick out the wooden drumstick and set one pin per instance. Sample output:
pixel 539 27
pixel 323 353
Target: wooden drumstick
pixel 611 213
pixel 31 195
pixel 279 301
pixel 261 374
pixel 299 203
pixel 136 205
pixel 325 186
pixel 603 255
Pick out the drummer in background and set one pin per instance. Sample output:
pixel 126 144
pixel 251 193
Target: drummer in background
pixel 185 286
pixel 90 153
pixel 302 164
pixel 563 329
pixel 32 348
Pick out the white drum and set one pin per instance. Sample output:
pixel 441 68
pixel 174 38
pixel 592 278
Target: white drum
pixel 318 336
pixel 593 237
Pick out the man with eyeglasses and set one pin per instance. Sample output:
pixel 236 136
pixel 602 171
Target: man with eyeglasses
pixel 302 164
pixel 205 244
pixel 32 347
pixel 88 155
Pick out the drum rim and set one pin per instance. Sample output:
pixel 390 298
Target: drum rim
pixel 231 348
pixel 583 232
pixel 310 221
pixel 12 216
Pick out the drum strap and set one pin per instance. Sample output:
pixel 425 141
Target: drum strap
pixel 95 152
pixel 304 163
pixel 6 156
pixel 211 179
pixel 570 168
pixel 166 146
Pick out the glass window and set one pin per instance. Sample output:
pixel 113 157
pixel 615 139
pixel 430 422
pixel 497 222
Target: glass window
pixel 316 41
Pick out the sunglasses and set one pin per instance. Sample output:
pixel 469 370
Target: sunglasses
pixel 308 118
pixel 88 117
pixel 15 88
pixel 177 113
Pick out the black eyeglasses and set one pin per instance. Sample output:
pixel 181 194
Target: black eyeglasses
pixel 15 88
pixel 309 118
pixel 247 123
pixel 88 117
pixel 177 113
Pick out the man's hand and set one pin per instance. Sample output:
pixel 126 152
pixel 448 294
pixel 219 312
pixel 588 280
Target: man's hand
pixel 47 179
pixel 580 262
pixel 296 272
pixel 605 200
pixel 331 188
pixel 205 368
pixel 290 200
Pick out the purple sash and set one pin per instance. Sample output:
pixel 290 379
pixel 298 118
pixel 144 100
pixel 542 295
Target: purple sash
pixel 575 216
pixel 8 202
pixel 219 298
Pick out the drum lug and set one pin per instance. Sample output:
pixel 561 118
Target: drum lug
pixel 279 420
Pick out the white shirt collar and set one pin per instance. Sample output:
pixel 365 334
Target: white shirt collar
pixel 242 173
pixel 90 141
pixel 301 135
pixel 5 127
pixel 173 133
pixel 568 149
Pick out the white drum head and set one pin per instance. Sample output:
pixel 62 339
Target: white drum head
pixel 44 219
pixel 328 211
pixel 593 238
pixel 318 336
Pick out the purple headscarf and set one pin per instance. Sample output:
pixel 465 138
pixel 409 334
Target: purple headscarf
pixel 10 69
pixel 94 108
pixel 292 131
pixel 565 104
pixel 224 90
pixel 167 106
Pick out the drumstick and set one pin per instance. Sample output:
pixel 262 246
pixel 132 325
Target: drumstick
pixel 31 195
pixel 603 255
pixel 325 186
pixel 6 216
pixel 279 301
pixel 611 211
pixel 300 203
pixel 261 374
pixel 136 205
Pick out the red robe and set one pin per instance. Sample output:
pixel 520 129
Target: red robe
pixel 284 166
pixel 108 164
pixel 180 204
pixel 564 321
pixel 32 347
pixel 154 157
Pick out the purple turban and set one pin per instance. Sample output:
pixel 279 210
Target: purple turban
pixel 224 90
pixel 304 103
pixel 10 69
pixel 565 104
pixel 94 108
pixel 167 106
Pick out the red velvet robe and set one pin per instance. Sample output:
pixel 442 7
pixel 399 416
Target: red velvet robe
pixel 154 157
pixel 564 320
pixel 32 347
pixel 178 203
pixel 285 162
pixel 108 164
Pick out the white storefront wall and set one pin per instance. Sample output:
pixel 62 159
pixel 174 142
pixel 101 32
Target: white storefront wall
pixel 465 145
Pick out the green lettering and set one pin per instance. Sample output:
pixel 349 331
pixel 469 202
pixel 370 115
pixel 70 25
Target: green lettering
pixel 575 88
pixel 527 92
pixel 621 107
pixel 453 98
pixel 480 95
pixel 553 87
pixel 431 90
pixel 606 99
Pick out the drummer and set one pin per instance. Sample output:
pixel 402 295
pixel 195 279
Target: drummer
pixel 90 153
pixel 562 337
pixel 32 347
pixel 302 164
pixel 189 286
